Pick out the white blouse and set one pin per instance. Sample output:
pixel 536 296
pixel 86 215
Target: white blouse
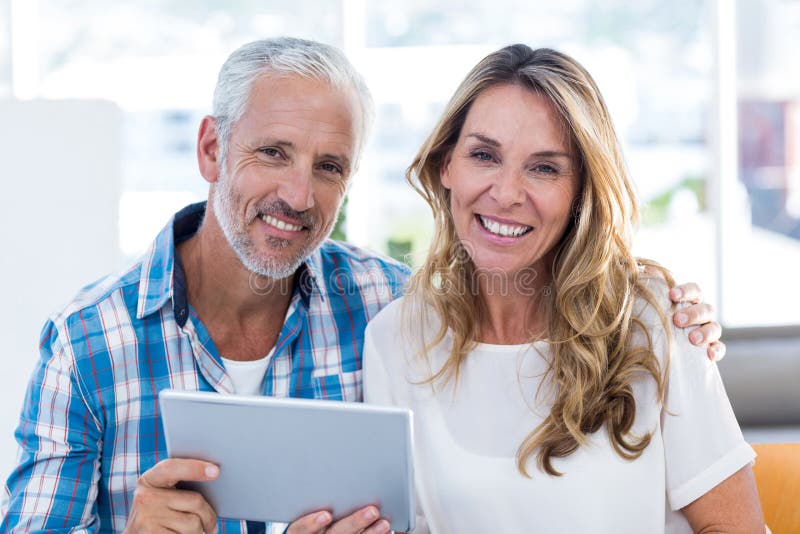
pixel 466 437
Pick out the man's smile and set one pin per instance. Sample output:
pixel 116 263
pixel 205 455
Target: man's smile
pixel 281 225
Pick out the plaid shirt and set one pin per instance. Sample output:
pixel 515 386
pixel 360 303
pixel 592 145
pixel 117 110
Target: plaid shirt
pixel 90 425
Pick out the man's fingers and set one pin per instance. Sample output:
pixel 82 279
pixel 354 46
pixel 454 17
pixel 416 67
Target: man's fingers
pixel 182 522
pixel 686 293
pixel 193 503
pixel 716 351
pixel 311 523
pixel 156 502
pixel 379 527
pixel 167 473
pixel 177 504
pixel 360 520
pixel 695 315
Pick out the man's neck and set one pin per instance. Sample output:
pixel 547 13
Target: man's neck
pixel 243 312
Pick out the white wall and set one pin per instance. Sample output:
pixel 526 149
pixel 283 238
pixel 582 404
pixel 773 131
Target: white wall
pixel 61 181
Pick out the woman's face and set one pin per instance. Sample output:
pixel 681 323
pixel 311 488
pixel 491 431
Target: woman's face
pixel 512 181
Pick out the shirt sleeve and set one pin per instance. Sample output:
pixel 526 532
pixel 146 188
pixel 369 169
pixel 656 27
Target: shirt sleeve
pixel 53 488
pixel 703 444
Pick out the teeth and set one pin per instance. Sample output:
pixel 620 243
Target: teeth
pixel 504 230
pixel 280 225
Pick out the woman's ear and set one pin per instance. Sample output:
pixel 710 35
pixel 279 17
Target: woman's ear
pixel 444 169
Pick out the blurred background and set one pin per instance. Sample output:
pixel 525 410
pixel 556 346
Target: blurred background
pixel 100 103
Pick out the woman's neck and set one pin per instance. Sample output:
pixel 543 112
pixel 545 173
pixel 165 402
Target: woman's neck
pixel 511 315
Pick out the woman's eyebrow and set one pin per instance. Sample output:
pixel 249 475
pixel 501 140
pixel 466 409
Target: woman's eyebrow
pixel 541 154
pixel 551 154
pixel 485 139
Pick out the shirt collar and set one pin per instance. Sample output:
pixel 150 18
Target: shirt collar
pixel 311 279
pixel 162 276
pixel 157 282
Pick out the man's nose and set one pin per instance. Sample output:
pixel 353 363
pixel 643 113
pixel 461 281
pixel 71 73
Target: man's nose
pixel 297 189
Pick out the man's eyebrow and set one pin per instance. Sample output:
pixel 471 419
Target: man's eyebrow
pixel 541 154
pixel 343 160
pixel 282 144
pixel 265 142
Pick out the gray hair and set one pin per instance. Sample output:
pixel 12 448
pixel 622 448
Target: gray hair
pixel 283 56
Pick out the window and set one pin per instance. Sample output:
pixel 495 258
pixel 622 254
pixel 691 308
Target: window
pixel 158 61
pixel 762 287
pixel 653 60
pixel 5 49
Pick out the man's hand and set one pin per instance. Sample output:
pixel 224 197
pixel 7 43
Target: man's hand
pixel 159 507
pixel 365 521
pixel 698 314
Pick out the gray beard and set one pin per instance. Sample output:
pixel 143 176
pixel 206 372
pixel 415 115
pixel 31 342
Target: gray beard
pixel 225 202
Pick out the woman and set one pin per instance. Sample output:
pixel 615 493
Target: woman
pixel 549 391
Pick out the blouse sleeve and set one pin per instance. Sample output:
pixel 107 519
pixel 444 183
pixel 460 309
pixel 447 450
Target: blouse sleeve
pixel 378 390
pixel 377 386
pixel 703 444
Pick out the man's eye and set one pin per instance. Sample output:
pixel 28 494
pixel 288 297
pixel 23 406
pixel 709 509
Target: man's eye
pixel 272 152
pixel 330 167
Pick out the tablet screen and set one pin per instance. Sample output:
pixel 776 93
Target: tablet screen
pixel 281 459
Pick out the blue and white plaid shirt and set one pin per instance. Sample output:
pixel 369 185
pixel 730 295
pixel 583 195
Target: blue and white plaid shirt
pixel 90 425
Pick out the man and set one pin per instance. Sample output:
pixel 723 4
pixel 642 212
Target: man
pixel 239 295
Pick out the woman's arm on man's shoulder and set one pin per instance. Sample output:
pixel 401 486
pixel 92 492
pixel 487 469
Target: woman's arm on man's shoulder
pixel 697 316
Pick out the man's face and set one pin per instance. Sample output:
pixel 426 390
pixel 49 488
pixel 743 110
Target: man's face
pixel 288 163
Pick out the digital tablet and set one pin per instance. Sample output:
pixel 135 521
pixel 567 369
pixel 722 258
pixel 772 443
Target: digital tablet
pixel 281 459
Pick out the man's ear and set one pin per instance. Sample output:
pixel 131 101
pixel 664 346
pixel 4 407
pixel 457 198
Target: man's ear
pixel 208 149
pixel 444 169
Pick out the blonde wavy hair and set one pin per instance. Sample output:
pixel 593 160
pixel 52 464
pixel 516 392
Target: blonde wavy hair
pixel 594 278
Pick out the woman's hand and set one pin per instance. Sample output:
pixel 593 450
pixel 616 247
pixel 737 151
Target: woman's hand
pixel 700 314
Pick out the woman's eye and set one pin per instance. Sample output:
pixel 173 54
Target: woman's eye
pixel 482 156
pixel 544 168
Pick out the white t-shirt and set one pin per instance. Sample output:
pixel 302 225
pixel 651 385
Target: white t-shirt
pixel 466 439
pixel 248 377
